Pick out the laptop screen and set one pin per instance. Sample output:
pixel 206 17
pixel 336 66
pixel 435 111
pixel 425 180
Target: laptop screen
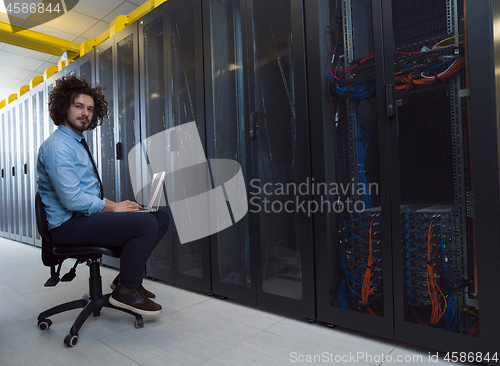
pixel 155 190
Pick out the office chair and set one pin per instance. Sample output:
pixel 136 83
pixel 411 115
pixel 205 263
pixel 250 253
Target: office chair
pixel 93 301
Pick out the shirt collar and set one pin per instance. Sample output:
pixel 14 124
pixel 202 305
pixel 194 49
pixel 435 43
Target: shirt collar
pixel 71 133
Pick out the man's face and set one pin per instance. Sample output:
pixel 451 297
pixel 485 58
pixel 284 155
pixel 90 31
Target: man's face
pixel 80 113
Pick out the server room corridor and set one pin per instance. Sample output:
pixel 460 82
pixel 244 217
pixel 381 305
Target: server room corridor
pixel 193 329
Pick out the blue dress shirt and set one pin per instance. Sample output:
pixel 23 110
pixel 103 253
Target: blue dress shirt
pixel 66 178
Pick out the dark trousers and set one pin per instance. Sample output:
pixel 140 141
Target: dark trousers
pixel 137 232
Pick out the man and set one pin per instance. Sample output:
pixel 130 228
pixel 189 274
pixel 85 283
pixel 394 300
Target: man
pixel 70 188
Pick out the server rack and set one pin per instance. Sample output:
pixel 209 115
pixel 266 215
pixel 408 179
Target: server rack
pixel 105 74
pixel 3 174
pixel 425 114
pixel 117 69
pixel 434 246
pixel 352 232
pixel 25 169
pixel 459 258
pixel 37 108
pixel 280 152
pixel 106 139
pixel 232 255
pixel 13 163
pixel 171 84
pixel 152 54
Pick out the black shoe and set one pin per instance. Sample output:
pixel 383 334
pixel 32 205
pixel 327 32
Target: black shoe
pixel 145 293
pixel 131 299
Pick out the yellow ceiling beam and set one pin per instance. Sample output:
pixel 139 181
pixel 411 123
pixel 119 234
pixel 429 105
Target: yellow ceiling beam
pixel 118 24
pixel 37 41
pixel 143 9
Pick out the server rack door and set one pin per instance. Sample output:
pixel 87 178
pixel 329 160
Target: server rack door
pixel 37 110
pixel 8 170
pixel 127 109
pixel 227 138
pixel 15 173
pixel 435 271
pixel 172 94
pixel 25 169
pixel 152 55
pixel 482 43
pixel 3 174
pixel 352 229
pixel 185 103
pixel 105 72
pixel 280 225
pixel 85 67
pixel 106 139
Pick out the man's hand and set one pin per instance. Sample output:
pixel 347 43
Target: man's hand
pixel 124 206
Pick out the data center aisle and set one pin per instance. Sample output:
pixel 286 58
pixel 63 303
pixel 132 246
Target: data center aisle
pixel 193 329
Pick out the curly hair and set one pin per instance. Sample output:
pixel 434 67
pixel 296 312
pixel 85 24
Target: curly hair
pixel 64 93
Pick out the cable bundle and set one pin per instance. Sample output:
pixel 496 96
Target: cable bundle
pixel 367 282
pixel 415 78
pixel 436 313
pixel 362 268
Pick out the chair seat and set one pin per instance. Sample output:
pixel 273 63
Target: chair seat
pixel 86 250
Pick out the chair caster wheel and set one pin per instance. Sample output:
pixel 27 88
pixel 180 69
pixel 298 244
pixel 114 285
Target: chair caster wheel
pixel 329 325
pixel 139 322
pixel 311 320
pixel 71 340
pixel 44 324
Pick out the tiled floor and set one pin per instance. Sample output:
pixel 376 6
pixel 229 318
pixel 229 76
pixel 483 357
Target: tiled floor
pixel 193 329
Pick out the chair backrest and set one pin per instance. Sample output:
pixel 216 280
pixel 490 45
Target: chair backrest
pixel 48 257
pixel 41 218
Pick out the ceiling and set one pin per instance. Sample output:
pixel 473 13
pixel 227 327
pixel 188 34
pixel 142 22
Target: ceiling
pixel 88 19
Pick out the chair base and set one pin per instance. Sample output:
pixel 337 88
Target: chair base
pixel 90 306
pixel 92 303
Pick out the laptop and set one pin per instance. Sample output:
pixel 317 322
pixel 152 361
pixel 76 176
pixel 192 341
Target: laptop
pixel 154 193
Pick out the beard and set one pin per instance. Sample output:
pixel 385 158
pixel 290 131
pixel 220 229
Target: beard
pixel 79 124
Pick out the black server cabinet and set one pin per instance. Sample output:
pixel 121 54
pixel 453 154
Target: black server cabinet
pixel 117 69
pixel 349 158
pixel 232 255
pixel 445 181
pixel 105 134
pixel 435 274
pixel 171 84
pixel 106 139
pixel 277 125
pixel 436 118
